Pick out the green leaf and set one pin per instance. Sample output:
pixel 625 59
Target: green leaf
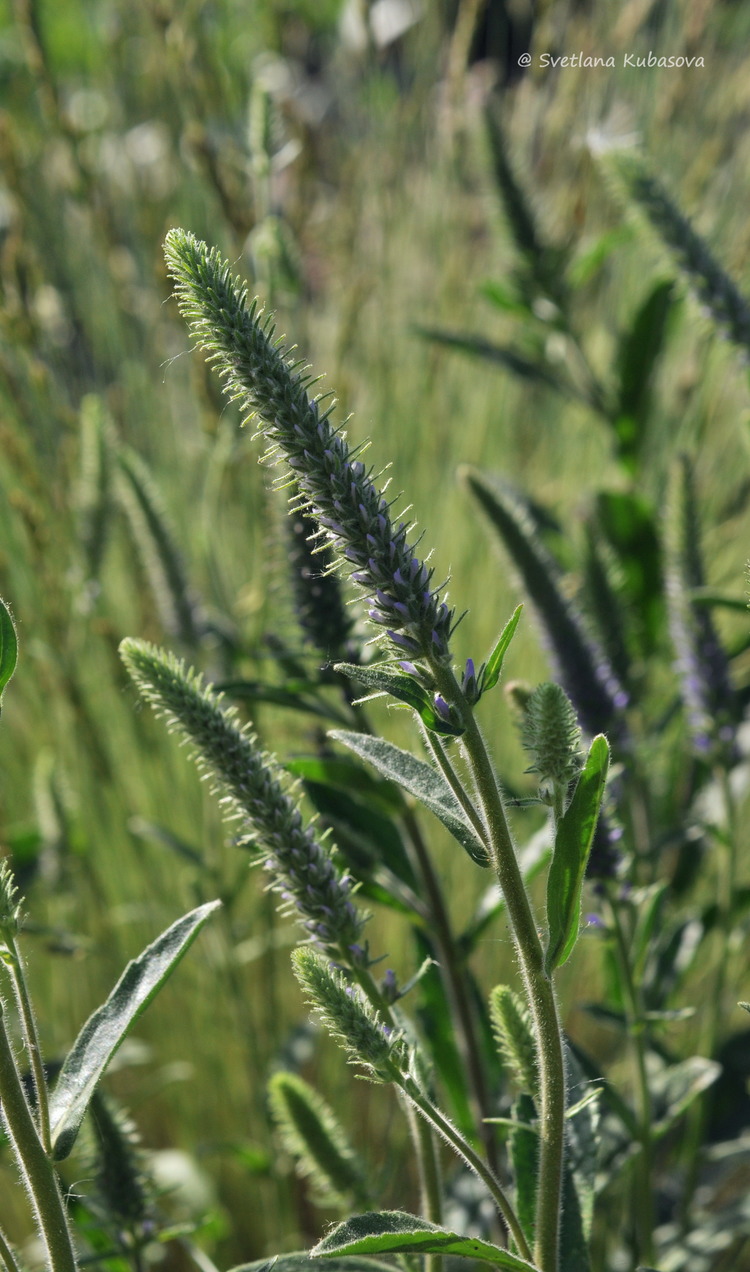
pixel 296 695
pixel 573 839
pixel 405 689
pixel 107 1026
pixel 421 780
pixel 8 647
pixel 504 298
pixel 497 657
pixel 394 1232
pixel 524 1153
pixel 582 1132
pixel 675 1088
pixel 639 353
pixel 301 1261
pixel 502 355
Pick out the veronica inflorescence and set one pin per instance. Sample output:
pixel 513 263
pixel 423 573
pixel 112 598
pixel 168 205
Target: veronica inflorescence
pixel 337 488
pixel 301 867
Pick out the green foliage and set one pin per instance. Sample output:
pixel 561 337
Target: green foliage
pixel 8 646
pixel 312 1134
pixel 574 836
pixel 105 1030
pixel 425 783
pixel 394 1232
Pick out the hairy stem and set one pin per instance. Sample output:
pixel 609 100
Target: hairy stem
pixel 31 1038
pixel 538 984
pixel 36 1168
pixel 7 1255
pixel 458 992
pixel 453 1137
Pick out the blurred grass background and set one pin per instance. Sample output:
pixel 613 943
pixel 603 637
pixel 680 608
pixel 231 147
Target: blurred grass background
pixel 336 151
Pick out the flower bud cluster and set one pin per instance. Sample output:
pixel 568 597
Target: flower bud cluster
pixel 301 868
pixel 10 906
pixel 715 289
pixel 348 1015
pixel 337 489
pixel 551 734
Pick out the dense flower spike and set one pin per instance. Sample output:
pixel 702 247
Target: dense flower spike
pixel 337 489
pixel 301 868
pixel 710 704
pixel 348 1016
pixel 320 607
pixel 714 288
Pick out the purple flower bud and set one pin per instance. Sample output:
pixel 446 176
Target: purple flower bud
pixel 405 642
pixel 441 706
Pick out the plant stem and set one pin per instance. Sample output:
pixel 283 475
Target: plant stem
pixel 36 1168
pixel 455 783
pixel 424 1144
pixel 458 992
pixel 538 984
pixel 453 1137
pixel 7 1255
pixel 644 1173
pixel 31 1038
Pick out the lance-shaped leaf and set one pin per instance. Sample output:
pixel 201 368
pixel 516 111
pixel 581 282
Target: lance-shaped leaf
pixel 301 1261
pixel 394 1232
pixel 497 657
pixel 107 1026
pixel 421 780
pixel 405 689
pixel 8 647
pixel 573 839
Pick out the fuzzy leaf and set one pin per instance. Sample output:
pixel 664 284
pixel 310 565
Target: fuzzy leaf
pixel 575 833
pixel 394 1232
pixel 677 1086
pixel 8 647
pixel 421 780
pixel 107 1026
pixel 301 1261
pixel 524 1152
pixel 639 353
pixel 406 689
pixel 497 657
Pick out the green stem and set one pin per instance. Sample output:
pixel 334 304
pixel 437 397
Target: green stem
pixel 31 1038
pixel 36 1168
pixel 424 1144
pixel 458 992
pixel 456 785
pixel 538 984
pixel 644 1170
pixel 7 1255
pixel 456 1140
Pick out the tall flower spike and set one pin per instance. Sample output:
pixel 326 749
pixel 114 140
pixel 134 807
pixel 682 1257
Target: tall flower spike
pixel 337 489
pixel 302 870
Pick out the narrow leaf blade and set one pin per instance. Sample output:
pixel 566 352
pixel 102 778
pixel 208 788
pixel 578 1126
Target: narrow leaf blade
pixel 301 1261
pixel 575 834
pixel 107 1026
pixel 419 779
pixel 8 646
pixel 405 689
pixel 497 657
pixel 394 1232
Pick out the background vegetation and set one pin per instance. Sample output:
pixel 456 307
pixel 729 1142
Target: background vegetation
pixel 346 166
